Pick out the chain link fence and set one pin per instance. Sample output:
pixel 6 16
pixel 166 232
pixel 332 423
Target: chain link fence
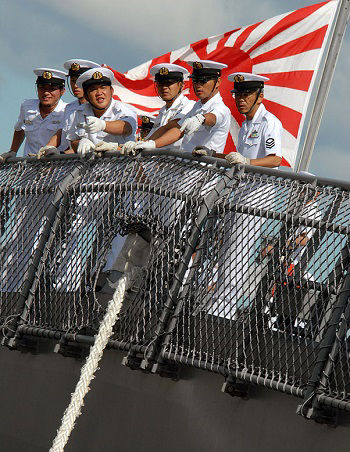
pixel 239 271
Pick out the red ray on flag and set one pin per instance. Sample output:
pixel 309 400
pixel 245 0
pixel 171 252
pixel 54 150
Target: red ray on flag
pixel 287 49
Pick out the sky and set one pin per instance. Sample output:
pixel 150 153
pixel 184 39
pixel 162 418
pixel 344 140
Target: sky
pixel 39 33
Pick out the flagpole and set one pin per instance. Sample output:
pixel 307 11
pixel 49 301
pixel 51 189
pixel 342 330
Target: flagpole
pixel 324 86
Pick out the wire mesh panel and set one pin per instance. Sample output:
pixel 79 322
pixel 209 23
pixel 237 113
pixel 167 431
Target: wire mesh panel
pixel 26 192
pixel 124 215
pixel 264 297
pixel 334 387
pixel 263 283
pixel 335 391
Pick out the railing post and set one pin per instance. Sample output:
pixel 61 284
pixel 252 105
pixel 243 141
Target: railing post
pixel 34 270
pixel 208 204
pixel 328 350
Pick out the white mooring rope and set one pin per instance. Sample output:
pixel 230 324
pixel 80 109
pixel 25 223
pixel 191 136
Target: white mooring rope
pixel 87 372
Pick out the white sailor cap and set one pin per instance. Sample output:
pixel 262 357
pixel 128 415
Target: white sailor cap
pixel 167 71
pixel 78 67
pixel 50 76
pixel 206 68
pixel 100 75
pixel 246 81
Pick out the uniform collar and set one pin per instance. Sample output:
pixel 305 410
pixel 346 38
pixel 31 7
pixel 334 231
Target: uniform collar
pixel 211 101
pixel 59 107
pixel 258 115
pixel 177 102
pixel 74 103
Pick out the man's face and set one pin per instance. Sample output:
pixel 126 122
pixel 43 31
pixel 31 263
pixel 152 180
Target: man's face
pixel 245 100
pixel 48 94
pixel 99 95
pixel 205 88
pixel 168 89
pixel 77 92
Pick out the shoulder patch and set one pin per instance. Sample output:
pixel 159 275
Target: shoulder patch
pixel 270 143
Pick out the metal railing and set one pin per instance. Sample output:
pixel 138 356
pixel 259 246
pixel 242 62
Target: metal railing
pixel 241 271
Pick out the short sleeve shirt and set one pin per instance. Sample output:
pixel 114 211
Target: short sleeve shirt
pixel 38 130
pixel 212 137
pixel 260 136
pixel 181 106
pixel 116 111
pixel 67 123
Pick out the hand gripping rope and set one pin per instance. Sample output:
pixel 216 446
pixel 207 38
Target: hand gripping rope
pixel 88 370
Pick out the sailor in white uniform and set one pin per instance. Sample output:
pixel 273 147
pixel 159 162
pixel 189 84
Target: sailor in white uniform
pixel 59 142
pixel 207 123
pixel 146 126
pixel 259 144
pixel 37 121
pixel 259 139
pixel 40 118
pixel 102 118
pixel 169 82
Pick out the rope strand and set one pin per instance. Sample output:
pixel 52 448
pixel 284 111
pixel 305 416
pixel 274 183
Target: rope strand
pixel 73 410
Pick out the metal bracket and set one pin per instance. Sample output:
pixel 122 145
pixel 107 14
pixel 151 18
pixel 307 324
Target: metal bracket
pixel 167 370
pixel 236 388
pixel 133 362
pixel 71 349
pixel 26 344
pixel 319 414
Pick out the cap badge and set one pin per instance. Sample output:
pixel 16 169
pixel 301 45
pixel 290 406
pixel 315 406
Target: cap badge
pixel 75 67
pixel 197 65
pixel 47 75
pixel 97 75
pixel 163 71
pixel 145 119
pixel 239 78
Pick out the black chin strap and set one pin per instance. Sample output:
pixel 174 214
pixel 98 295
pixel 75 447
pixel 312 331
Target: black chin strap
pixel 211 92
pixel 256 100
pixel 70 89
pixel 173 99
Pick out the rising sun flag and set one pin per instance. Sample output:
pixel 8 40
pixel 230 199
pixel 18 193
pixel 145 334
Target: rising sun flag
pixel 287 49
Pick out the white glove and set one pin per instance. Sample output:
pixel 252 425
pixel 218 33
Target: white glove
pixel 85 146
pixel 94 125
pixel 235 157
pixel 102 146
pixel 46 151
pixel 145 145
pixel 128 148
pixel 7 155
pixel 191 125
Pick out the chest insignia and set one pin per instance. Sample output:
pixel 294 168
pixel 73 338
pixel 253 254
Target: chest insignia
pixel 56 122
pixel 28 122
pixel 254 134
